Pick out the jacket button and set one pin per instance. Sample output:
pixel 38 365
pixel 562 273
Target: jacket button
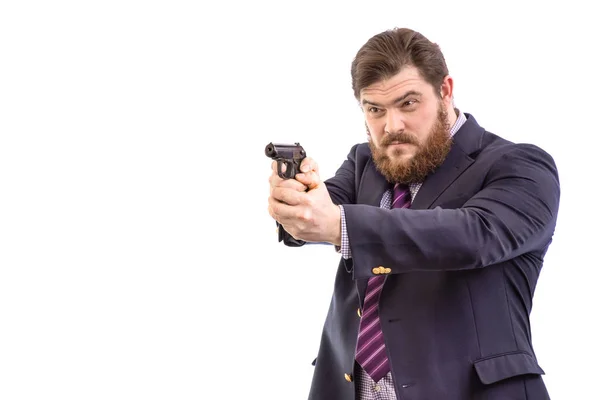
pixel 348 377
pixel 378 270
pixel 358 312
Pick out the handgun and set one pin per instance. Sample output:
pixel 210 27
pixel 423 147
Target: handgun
pixel 289 154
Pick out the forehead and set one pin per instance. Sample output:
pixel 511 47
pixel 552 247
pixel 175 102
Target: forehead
pixel 407 79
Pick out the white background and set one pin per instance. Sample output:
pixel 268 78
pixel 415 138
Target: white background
pixel 137 256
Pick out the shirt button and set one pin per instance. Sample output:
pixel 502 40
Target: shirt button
pixel 377 388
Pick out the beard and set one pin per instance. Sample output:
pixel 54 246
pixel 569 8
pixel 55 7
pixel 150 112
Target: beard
pixel 428 157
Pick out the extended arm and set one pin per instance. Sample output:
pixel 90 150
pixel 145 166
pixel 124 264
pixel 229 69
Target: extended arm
pixel 514 213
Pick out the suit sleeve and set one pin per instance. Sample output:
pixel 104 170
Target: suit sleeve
pixel 341 188
pixel 514 213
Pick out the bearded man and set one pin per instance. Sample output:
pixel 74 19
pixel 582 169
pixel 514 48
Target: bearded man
pixel 442 228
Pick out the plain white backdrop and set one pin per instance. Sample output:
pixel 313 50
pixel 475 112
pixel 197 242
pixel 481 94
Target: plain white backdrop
pixel 137 256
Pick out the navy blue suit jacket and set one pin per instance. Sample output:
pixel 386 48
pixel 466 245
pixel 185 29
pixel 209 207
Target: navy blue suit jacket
pixel 464 261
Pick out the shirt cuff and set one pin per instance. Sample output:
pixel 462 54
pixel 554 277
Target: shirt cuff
pixel 345 248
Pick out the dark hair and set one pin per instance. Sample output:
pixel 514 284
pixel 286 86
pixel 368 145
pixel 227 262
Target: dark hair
pixel 385 54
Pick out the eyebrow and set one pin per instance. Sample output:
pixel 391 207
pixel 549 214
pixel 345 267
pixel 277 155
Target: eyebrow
pixel 398 100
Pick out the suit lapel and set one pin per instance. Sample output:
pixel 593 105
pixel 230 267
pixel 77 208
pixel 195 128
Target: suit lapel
pixel 438 182
pixel 466 142
pixel 372 186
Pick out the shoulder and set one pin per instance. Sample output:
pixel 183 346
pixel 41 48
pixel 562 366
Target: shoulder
pixel 361 150
pixel 525 165
pixel 359 155
pixel 494 148
pixel 501 150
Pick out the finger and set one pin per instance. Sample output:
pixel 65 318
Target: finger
pixel 271 208
pixel 276 181
pixel 288 196
pixel 309 164
pixel 274 209
pixel 293 184
pixel 281 212
pixel 309 179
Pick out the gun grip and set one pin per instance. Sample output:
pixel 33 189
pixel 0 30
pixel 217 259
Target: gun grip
pixel 290 169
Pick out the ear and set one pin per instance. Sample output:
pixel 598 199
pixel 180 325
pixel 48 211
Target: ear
pixel 447 90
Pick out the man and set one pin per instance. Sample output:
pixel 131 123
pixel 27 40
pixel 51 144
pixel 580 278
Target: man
pixel 442 228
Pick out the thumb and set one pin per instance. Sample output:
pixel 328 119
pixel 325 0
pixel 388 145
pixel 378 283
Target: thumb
pixel 309 179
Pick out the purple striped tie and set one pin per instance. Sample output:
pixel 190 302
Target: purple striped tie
pixel 370 348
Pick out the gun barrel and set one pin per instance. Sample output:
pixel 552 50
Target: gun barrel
pixel 285 151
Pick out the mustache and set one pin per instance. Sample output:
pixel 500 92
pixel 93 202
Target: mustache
pixel 403 138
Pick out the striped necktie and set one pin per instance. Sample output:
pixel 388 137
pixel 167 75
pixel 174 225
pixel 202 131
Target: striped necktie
pixel 370 347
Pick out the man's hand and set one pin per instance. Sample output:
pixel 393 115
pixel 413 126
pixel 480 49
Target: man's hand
pixel 306 215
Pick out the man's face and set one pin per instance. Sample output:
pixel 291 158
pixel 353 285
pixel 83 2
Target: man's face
pixel 408 126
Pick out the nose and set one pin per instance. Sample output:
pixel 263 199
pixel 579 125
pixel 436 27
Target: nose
pixel 394 122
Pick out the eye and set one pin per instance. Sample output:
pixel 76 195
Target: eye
pixel 409 103
pixel 374 110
